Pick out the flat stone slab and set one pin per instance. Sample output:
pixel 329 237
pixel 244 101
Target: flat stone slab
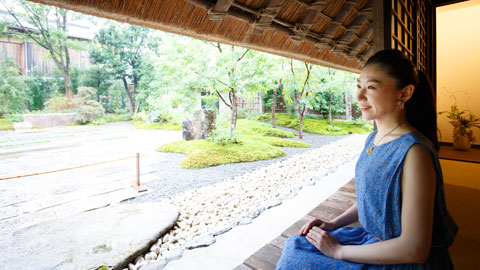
pixel 111 236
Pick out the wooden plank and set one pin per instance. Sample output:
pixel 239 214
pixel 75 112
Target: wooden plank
pixel 325 212
pixel 242 267
pixel 293 229
pixel 447 152
pixel 265 258
pixel 278 242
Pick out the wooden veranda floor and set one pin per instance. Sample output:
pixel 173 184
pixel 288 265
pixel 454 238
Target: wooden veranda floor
pixel 266 258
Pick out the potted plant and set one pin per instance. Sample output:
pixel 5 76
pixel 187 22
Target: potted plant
pixel 462 121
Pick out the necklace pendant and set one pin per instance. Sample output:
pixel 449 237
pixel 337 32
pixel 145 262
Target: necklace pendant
pixel 369 150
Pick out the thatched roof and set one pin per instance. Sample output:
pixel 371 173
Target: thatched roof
pixel 335 33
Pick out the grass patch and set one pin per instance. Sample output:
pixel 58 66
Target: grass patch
pixel 318 126
pixel 168 126
pixel 256 141
pixel 6 124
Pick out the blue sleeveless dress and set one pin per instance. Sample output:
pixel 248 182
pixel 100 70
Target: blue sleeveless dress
pixel 378 189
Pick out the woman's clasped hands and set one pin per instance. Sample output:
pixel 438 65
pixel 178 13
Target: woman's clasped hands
pixel 316 233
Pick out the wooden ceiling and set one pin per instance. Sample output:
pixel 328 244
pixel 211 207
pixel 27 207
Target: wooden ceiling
pixel 334 33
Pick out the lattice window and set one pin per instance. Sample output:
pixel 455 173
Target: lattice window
pixel 421 36
pixel 403 25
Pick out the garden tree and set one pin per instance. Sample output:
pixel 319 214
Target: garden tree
pixel 47 27
pixel 173 81
pixel 12 87
pixel 333 86
pixel 237 71
pixel 120 49
pixel 297 83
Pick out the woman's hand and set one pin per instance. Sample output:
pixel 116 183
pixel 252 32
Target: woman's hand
pixel 325 225
pixel 324 242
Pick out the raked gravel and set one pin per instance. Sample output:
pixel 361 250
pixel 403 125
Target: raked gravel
pixel 211 210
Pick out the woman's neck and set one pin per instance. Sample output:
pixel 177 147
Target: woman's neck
pixel 388 124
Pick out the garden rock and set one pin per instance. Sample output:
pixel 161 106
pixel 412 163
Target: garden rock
pixel 107 236
pixel 200 125
pixel 153 117
pixel 21 125
pixel 158 265
pixel 202 241
pixel 173 254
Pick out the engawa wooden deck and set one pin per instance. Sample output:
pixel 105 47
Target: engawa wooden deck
pixel 266 258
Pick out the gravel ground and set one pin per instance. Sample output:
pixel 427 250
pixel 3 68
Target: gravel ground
pixel 172 179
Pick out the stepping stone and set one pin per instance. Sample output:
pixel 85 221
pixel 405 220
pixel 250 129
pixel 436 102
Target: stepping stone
pixel 111 236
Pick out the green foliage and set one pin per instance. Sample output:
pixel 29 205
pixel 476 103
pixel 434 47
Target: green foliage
pixel 321 102
pixel 319 126
pixel 113 117
pixel 121 50
pixel 59 103
pixel 5 124
pixel 223 137
pixel 14 97
pixel 41 87
pixel 87 109
pixel 52 36
pixel 462 121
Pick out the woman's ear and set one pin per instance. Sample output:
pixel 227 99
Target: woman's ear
pixel 407 92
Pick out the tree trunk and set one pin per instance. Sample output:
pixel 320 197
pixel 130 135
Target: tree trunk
pixel 300 133
pixel 129 96
pixel 5 102
pixel 274 104
pixel 330 109
pixel 68 84
pixel 233 125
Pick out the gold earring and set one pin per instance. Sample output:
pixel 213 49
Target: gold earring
pixel 401 105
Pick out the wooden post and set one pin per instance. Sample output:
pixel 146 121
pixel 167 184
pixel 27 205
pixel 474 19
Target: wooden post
pixel 136 183
pixel 382 25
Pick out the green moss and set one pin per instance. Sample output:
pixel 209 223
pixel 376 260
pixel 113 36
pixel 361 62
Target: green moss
pixel 203 153
pixel 257 141
pixel 5 124
pixel 103 268
pixel 318 126
pixel 167 126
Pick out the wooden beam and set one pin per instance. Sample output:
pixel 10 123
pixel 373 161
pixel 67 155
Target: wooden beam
pixel 267 14
pixel 311 16
pixel 218 11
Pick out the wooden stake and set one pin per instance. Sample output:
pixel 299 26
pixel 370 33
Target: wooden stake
pixel 136 183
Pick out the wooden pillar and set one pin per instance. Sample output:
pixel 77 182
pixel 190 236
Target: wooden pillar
pixel 382 25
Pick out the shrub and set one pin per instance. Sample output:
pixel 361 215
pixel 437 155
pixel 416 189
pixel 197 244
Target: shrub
pixel 59 103
pixel 222 137
pixel 87 109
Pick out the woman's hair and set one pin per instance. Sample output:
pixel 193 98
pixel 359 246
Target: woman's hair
pixel 420 109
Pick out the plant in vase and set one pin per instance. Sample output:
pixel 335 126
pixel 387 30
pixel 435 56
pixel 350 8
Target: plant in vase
pixel 462 121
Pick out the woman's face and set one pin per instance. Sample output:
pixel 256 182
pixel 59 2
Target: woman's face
pixel 376 93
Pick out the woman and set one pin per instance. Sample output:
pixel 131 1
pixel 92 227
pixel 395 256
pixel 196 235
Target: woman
pixel 400 197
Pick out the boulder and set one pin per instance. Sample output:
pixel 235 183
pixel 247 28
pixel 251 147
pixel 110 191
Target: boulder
pixel 199 125
pixel 21 125
pixel 153 117
pixel 110 236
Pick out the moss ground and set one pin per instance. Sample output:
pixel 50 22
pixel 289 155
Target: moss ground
pixel 5 124
pixel 256 141
pixel 318 126
pixel 168 126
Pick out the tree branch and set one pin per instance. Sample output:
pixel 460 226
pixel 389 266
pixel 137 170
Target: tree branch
pixel 218 93
pixel 238 60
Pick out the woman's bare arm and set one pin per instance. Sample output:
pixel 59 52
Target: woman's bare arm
pixel 346 218
pixel 413 245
